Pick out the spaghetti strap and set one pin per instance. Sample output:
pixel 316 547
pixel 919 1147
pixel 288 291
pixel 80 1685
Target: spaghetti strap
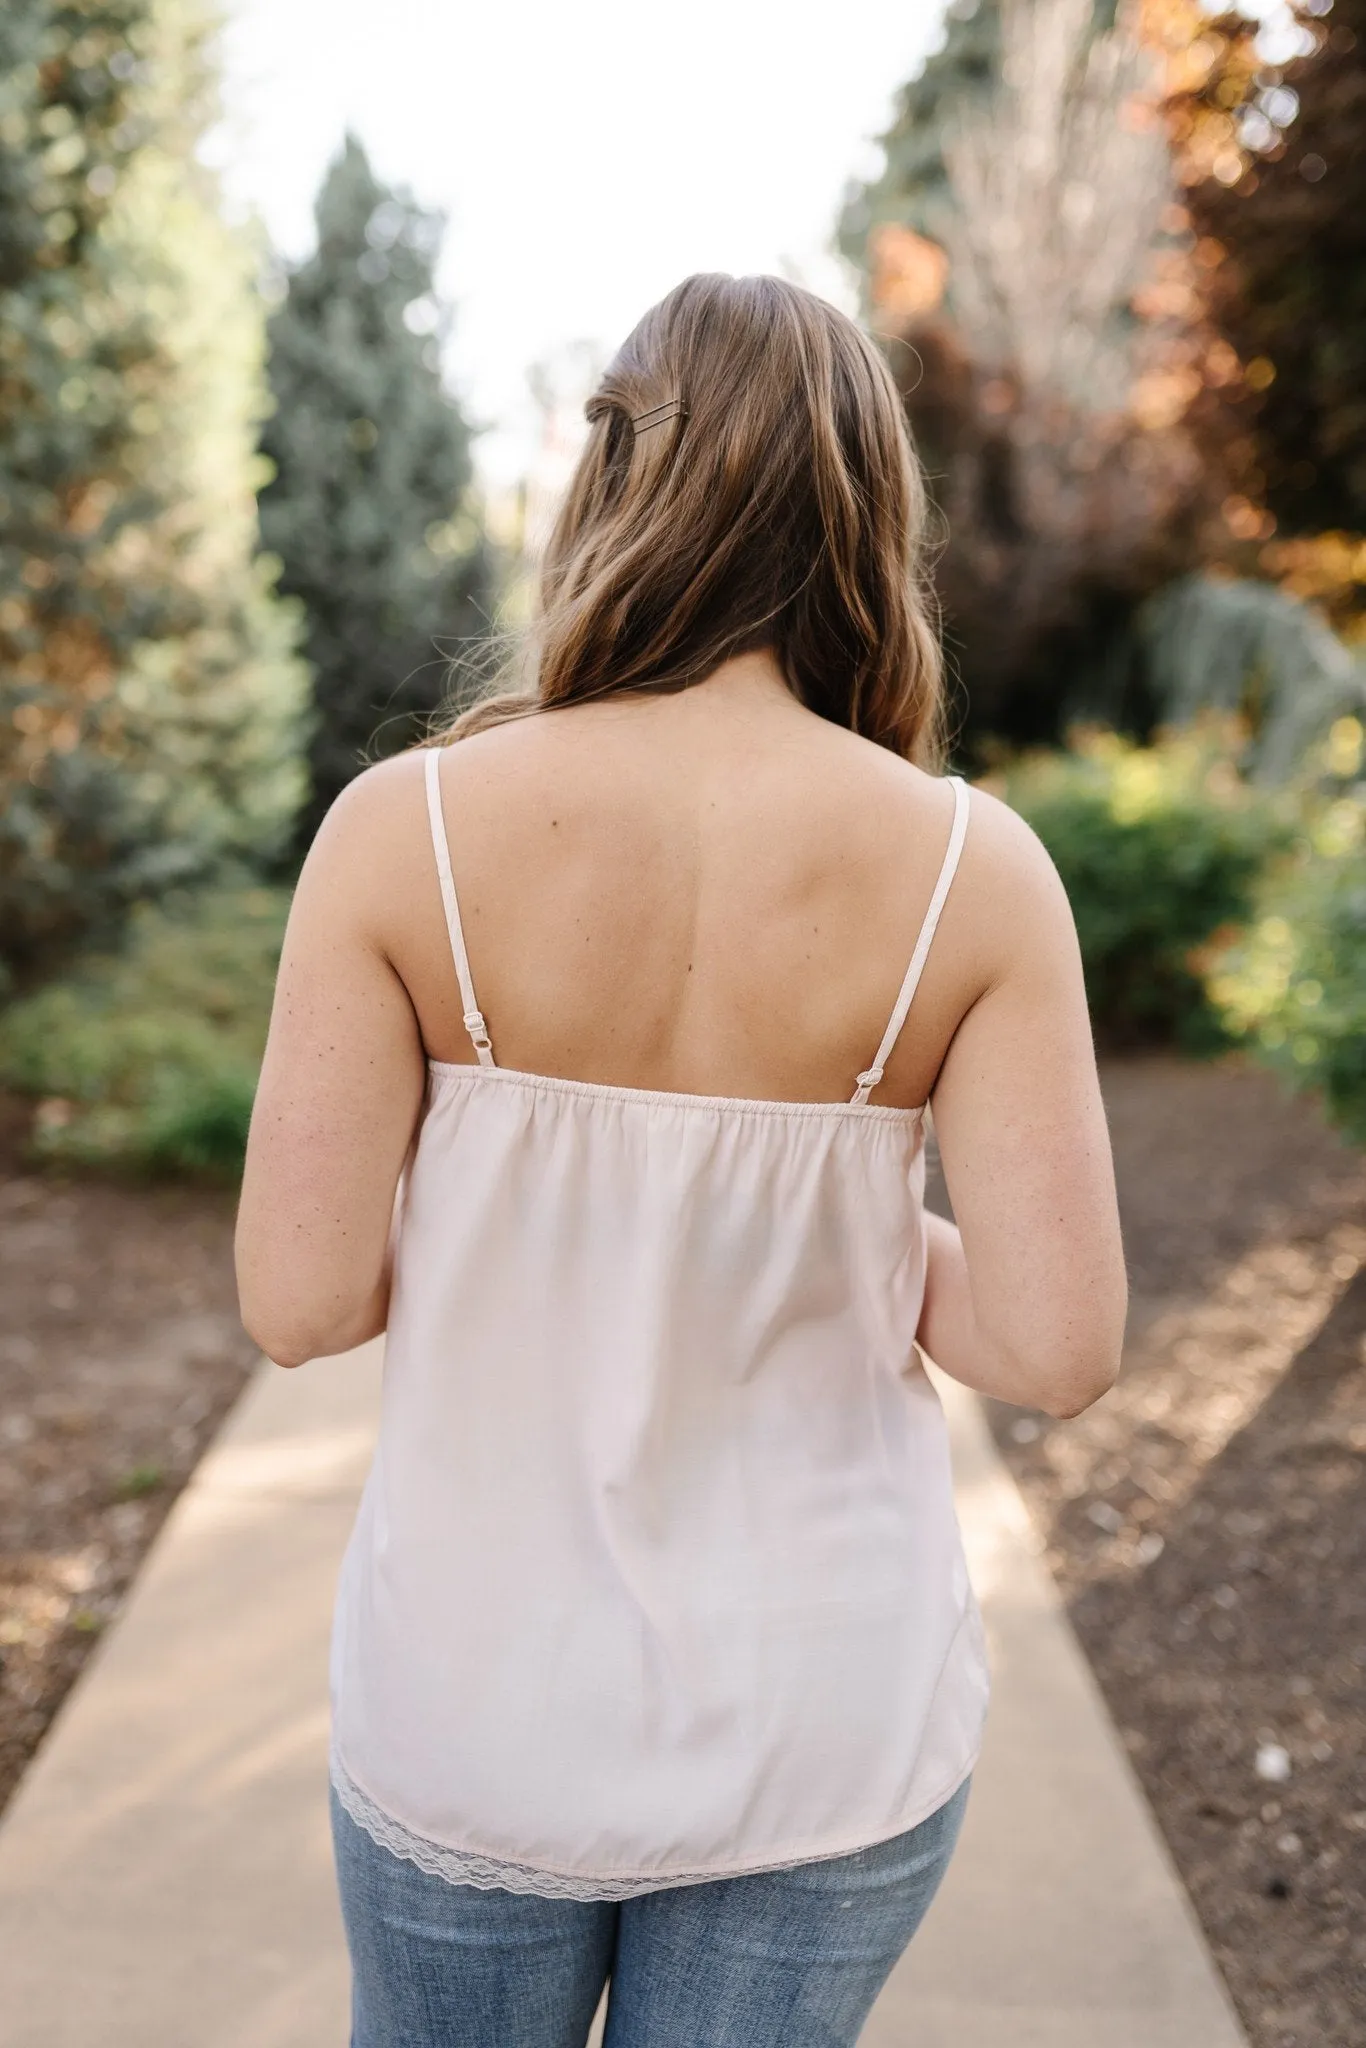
pixel 958 832
pixel 473 1020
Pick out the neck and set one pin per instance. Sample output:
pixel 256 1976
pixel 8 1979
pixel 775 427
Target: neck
pixel 747 686
pixel 756 674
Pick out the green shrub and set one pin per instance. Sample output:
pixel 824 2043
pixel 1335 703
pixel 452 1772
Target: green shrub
pixel 1293 986
pixel 1160 849
pixel 149 1058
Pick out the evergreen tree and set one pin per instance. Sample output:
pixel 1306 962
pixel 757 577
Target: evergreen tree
pixel 369 506
pixel 149 695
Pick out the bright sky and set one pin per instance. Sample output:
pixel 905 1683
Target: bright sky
pixel 589 153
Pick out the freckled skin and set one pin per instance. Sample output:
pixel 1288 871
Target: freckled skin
pixel 724 903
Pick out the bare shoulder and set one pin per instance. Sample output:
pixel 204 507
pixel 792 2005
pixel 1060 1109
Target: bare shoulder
pixel 1003 852
pixel 1009 889
pixel 372 855
pixel 371 859
pixel 388 800
pixel 378 812
pixel 1003 858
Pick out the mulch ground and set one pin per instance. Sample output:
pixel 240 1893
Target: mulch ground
pixel 1205 1521
pixel 120 1353
pixel 1207 1525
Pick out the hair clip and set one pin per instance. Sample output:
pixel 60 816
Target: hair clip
pixel 659 415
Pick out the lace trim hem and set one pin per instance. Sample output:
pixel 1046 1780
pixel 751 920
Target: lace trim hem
pixel 492 1873
pixel 487 1873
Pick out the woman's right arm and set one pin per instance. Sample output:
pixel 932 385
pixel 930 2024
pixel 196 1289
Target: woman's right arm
pixel 1029 1305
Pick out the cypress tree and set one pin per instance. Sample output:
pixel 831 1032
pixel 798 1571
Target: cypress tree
pixel 369 509
pixel 149 695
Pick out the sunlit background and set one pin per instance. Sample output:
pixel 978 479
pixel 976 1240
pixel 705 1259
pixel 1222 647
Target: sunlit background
pixel 587 157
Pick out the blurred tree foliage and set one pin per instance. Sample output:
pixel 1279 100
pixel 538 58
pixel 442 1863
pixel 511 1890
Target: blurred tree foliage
pixel 1235 645
pixel 1116 253
pixel 1014 247
pixel 913 188
pixel 1273 158
pixel 149 694
pixel 369 508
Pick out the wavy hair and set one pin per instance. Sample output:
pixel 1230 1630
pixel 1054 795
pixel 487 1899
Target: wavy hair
pixel 776 502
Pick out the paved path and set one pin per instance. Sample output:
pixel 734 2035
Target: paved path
pixel 164 1873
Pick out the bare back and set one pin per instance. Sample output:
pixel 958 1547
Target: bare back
pixel 713 892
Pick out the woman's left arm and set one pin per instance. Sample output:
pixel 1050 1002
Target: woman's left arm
pixel 338 1102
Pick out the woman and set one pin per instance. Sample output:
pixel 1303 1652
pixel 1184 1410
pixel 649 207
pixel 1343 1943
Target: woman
pixel 655 1658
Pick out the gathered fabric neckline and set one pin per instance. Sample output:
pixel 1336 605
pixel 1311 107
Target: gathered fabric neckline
pixel 669 1098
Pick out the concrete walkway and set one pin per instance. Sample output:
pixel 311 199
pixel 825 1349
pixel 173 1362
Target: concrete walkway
pixel 164 1871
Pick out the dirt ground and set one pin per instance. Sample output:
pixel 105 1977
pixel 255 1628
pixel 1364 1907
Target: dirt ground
pixel 1206 1521
pixel 120 1352
pixel 1207 1524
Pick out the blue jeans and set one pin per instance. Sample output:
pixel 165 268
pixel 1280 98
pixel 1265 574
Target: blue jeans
pixel 785 1959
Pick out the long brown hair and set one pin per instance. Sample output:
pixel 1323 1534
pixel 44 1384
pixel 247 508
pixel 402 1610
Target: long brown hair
pixel 775 503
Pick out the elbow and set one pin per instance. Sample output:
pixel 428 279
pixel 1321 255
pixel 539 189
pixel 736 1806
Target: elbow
pixel 270 1314
pixel 281 1343
pixel 289 1336
pixel 288 1356
pixel 1073 1397
pixel 1067 1360
pixel 294 1322
pixel 1079 1375
pixel 1062 1378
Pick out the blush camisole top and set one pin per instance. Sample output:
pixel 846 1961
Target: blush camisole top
pixel 656 1577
